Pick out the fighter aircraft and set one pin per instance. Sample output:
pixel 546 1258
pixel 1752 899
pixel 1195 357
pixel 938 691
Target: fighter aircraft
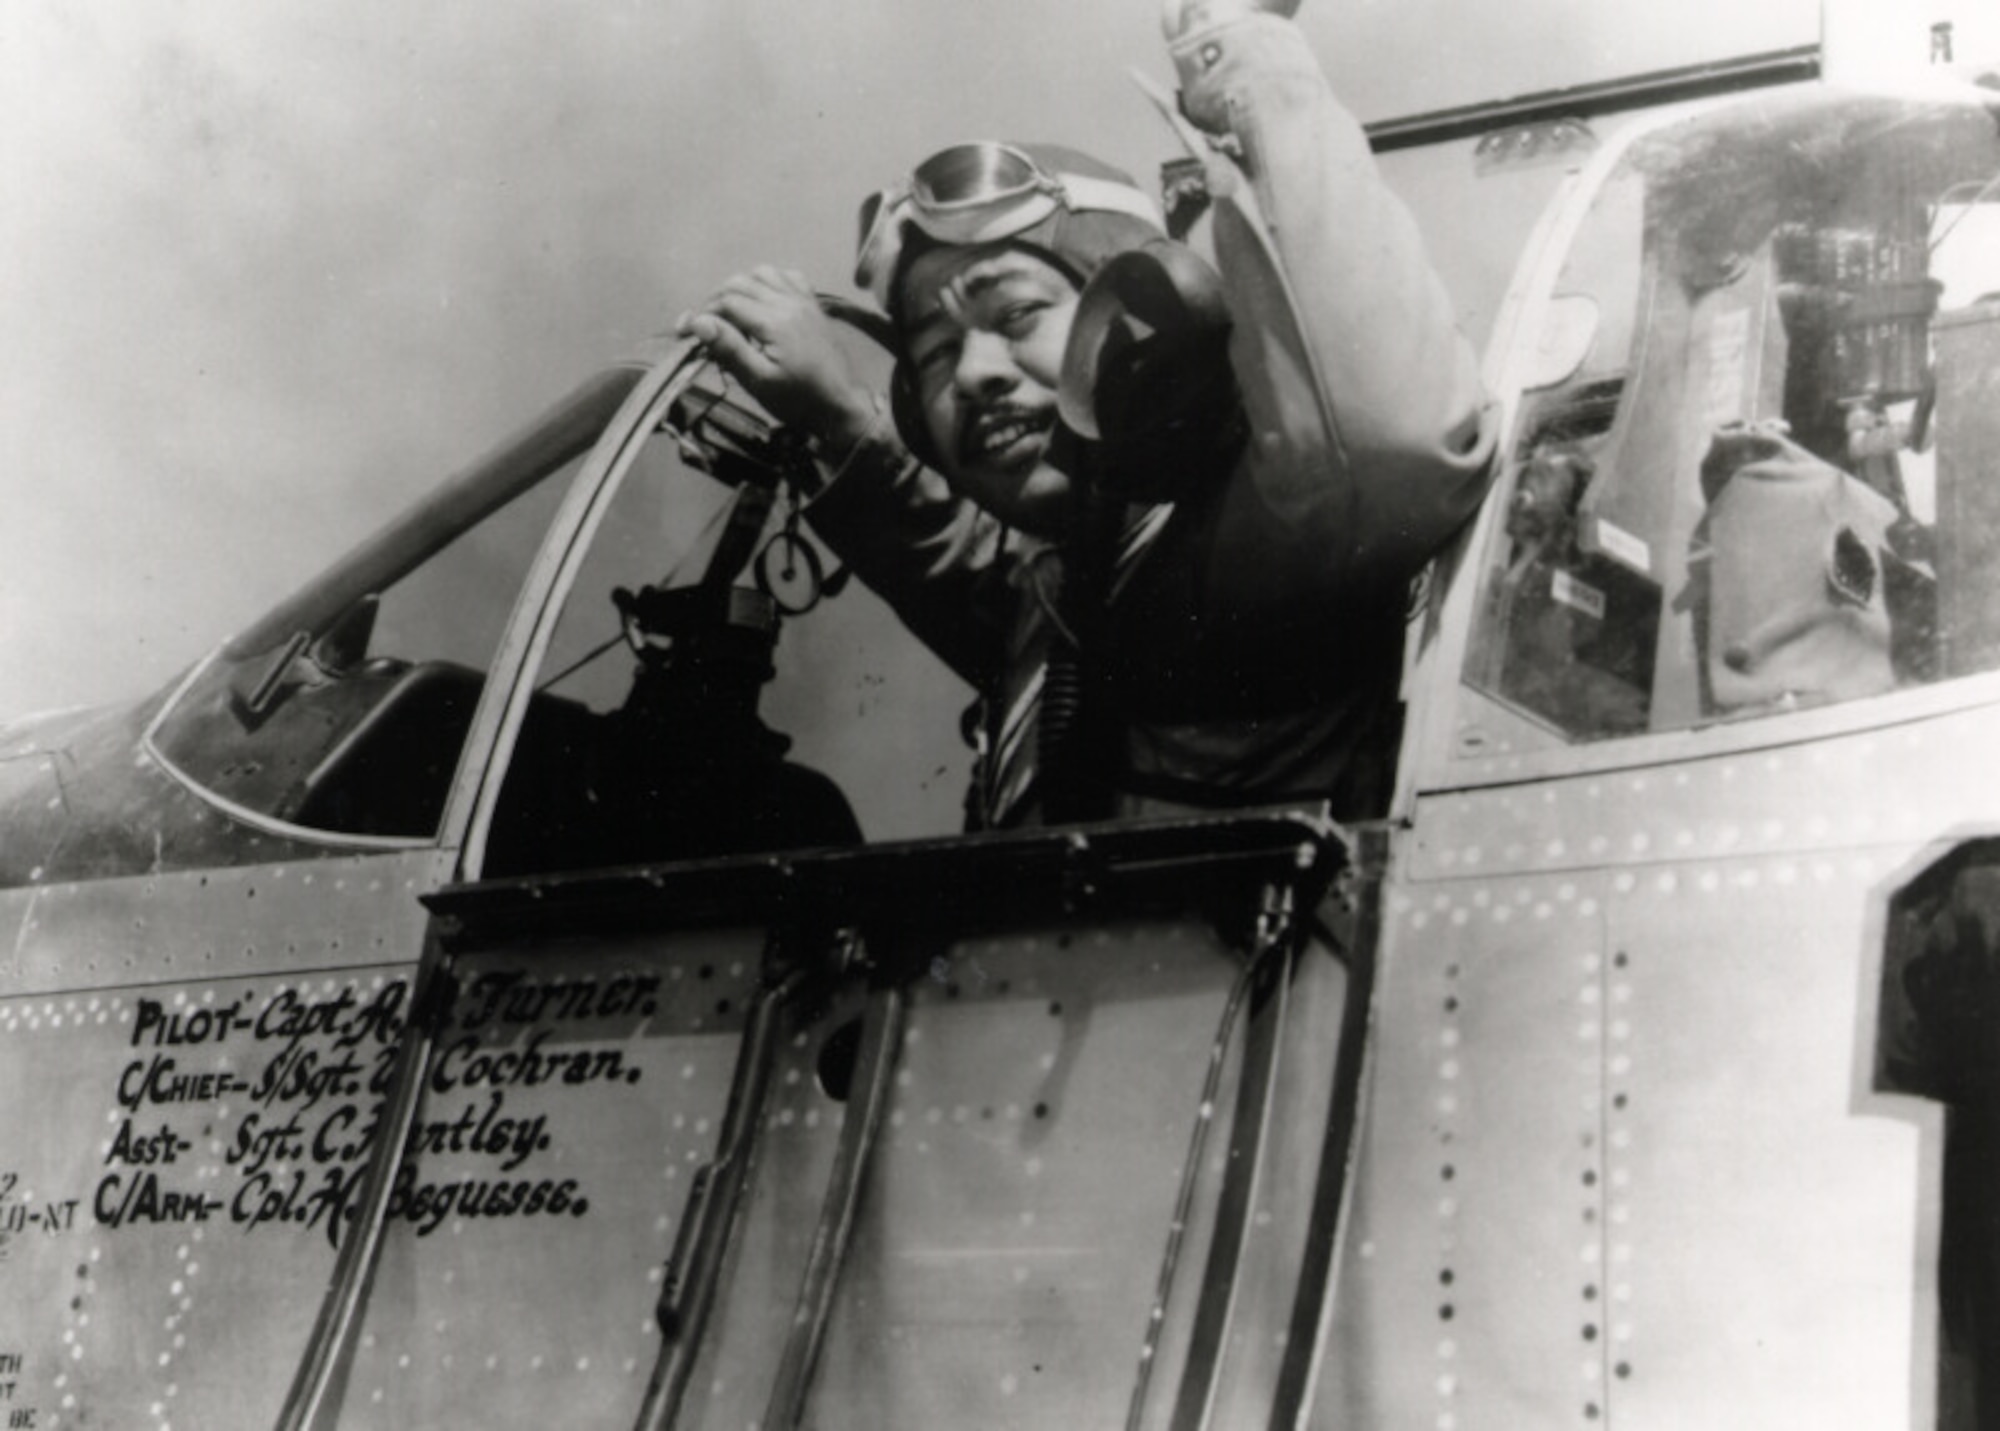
pixel 405 1028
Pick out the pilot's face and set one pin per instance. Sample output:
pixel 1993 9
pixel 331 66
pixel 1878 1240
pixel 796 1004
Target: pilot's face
pixel 987 326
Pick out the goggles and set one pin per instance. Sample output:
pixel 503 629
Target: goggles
pixel 979 193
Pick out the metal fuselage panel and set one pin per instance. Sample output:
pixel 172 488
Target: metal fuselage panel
pixel 666 1126
pixel 192 1061
pixel 1627 1160
pixel 1004 1256
pixel 566 1110
pixel 1073 1104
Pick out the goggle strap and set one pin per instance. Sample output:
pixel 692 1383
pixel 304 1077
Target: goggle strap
pixel 887 211
pixel 1109 196
pixel 882 217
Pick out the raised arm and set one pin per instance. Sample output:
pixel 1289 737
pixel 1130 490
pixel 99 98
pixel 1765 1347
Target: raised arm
pixel 1410 431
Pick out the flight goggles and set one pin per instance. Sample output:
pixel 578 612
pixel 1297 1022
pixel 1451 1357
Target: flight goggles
pixel 979 193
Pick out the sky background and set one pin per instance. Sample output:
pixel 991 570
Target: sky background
pixel 274 269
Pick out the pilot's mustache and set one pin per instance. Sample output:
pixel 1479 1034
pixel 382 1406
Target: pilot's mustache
pixel 972 437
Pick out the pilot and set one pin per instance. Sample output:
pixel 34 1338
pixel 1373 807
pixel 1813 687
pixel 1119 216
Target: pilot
pixel 1241 643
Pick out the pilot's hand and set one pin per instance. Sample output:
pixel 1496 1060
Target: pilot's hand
pixel 1193 29
pixel 767 330
pixel 1180 18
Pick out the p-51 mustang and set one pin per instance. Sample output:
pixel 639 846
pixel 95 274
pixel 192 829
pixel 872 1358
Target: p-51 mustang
pixel 450 1004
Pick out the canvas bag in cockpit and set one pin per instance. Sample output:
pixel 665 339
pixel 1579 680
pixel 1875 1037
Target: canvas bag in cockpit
pixel 1796 606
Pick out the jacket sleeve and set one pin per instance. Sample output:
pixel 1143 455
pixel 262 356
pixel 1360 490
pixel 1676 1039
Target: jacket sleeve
pixel 942 563
pixel 1405 435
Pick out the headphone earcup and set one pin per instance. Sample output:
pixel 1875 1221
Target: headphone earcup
pixel 907 409
pixel 1146 377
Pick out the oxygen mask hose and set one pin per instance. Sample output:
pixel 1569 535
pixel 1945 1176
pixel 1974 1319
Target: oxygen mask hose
pixel 1073 735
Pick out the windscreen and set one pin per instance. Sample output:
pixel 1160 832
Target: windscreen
pixel 714 683
pixel 344 710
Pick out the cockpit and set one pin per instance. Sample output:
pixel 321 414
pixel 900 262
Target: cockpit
pixel 1748 477
pixel 1752 474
